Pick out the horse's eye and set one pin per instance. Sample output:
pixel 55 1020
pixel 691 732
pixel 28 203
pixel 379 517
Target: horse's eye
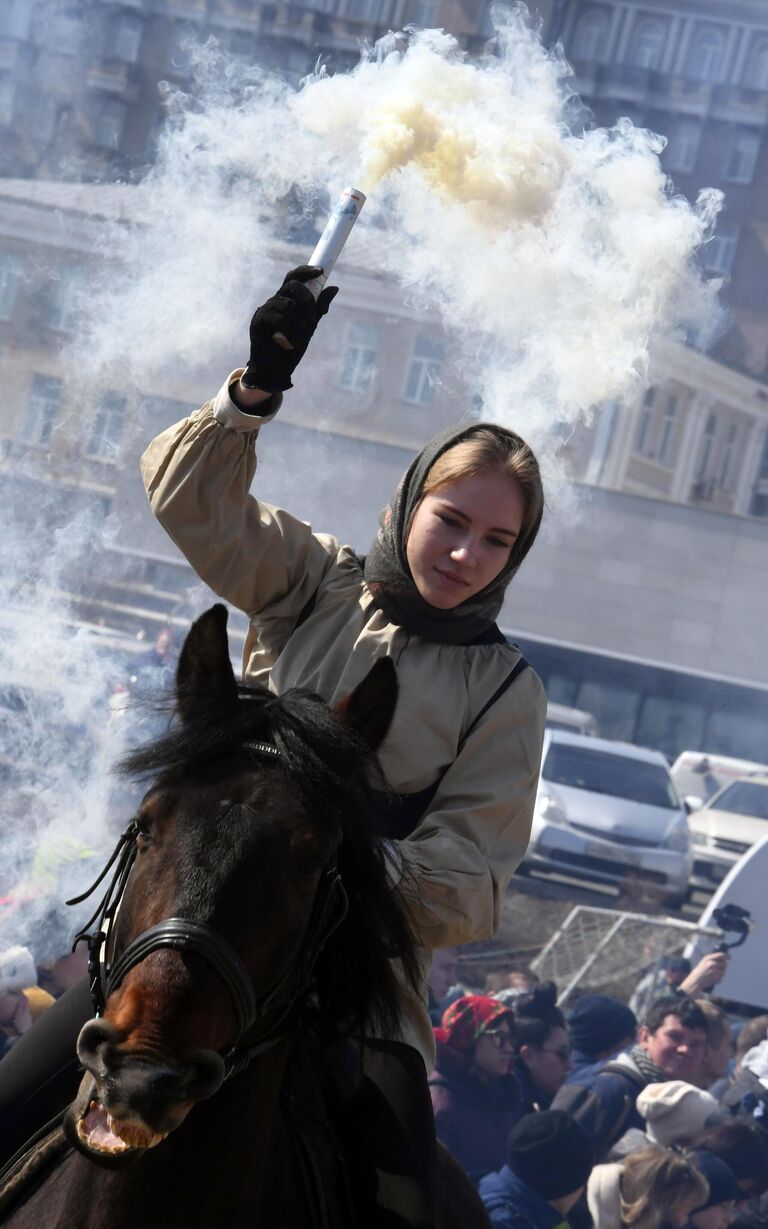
pixel 307 852
pixel 144 827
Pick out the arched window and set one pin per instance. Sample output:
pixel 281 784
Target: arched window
pixel 756 69
pixel 590 37
pixel 647 44
pixel 704 55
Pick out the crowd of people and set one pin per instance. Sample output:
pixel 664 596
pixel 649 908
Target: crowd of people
pixel 593 1117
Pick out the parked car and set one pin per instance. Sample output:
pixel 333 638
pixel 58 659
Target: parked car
pixel 700 775
pixel 730 824
pixel 577 720
pixel 610 812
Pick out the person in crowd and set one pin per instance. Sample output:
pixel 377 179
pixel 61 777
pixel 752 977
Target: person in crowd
pixel 549 1159
pixel 475 1099
pixel 752 1034
pixel 511 985
pixel 675 1113
pixel 675 975
pixel 463 752
pixel 655 1188
pixel 542 1047
pixel 21 999
pixel 600 1027
pixel 718 1208
pixel 718 1051
pixel 669 1047
pixel 441 980
pixel 744 1147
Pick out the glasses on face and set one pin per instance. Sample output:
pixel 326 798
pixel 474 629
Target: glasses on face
pixel 562 1052
pixel 499 1036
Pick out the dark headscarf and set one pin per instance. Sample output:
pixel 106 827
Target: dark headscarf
pixel 388 576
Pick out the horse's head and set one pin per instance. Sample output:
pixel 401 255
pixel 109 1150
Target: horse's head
pixel 247 850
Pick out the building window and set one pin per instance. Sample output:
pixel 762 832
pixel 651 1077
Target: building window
pixel 756 69
pixel 590 38
pixel 424 371
pixel 704 55
pixel 108 122
pixel 726 464
pixel 707 444
pixel 7 101
pixel 683 139
pixel 125 38
pixel 718 254
pixel 66 32
pixel 10 280
pixel 644 423
pixel 741 161
pixel 107 430
pixel 668 431
pixel 648 43
pixel 423 13
pixel 66 296
pixel 367 10
pixel 359 362
pixel 42 409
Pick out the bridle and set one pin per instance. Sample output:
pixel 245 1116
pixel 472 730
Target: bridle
pixel 183 935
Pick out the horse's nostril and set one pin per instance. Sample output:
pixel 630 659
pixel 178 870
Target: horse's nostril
pixel 95 1037
pixel 206 1075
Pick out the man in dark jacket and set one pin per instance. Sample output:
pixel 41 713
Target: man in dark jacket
pixel 600 1027
pixel 670 1046
pixel 549 1158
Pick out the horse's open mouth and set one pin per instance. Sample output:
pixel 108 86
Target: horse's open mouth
pixel 99 1132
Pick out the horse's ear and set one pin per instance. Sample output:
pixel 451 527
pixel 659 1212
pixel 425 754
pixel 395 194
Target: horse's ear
pixel 204 677
pixel 371 706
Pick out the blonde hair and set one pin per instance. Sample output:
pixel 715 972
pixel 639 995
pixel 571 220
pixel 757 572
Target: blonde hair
pixel 654 1181
pixel 484 450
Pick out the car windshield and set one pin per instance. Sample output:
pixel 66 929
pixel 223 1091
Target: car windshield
pixel 602 772
pixel 743 798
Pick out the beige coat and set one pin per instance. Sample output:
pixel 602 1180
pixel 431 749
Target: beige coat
pixel 463 852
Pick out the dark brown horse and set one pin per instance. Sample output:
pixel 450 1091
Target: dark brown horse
pixel 253 929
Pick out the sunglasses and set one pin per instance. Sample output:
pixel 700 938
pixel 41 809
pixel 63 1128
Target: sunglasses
pixel 562 1052
pixel 499 1036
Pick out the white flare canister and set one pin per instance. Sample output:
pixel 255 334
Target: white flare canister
pixel 328 249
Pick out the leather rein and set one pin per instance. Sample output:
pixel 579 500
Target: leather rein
pixel 183 935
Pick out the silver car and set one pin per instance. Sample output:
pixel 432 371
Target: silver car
pixel 610 812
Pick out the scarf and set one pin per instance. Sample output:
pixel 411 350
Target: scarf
pixel 386 570
pixel 646 1067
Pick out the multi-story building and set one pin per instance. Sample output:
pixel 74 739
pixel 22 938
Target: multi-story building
pixel 695 71
pixel 80 84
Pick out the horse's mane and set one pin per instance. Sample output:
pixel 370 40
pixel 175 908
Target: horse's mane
pixel 355 987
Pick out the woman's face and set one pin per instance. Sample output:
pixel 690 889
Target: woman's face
pixel 493 1050
pixel 462 535
pixel 680 1214
pixel 548 1064
pixel 717 1217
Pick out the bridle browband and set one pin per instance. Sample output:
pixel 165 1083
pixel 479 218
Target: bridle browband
pixel 200 939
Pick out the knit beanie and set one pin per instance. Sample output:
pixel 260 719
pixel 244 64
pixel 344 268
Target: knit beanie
pixel 551 1153
pixel 722 1181
pixel 17 969
pixel 675 1112
pixel 598 1023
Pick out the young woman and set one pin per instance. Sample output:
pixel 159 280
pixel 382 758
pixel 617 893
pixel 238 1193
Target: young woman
pixel 652 1189
pixel 464 749
pixel 542 1047
pixel 476 1101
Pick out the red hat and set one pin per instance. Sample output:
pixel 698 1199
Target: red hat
pixel 468 1018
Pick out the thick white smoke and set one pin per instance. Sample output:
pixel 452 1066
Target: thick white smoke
pixel 552 256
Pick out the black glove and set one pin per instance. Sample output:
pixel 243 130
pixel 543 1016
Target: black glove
pixel 292 314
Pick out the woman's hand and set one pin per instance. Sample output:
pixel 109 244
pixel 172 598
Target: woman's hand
pixel 292 314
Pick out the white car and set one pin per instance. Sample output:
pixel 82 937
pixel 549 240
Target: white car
pixel 610 812
pixel 732 822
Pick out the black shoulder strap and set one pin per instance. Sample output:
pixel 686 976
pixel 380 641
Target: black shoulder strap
pixel 634 1077
pixel 516 670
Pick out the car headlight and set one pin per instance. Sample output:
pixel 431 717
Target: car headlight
pixel 678 838
pixel 548 806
